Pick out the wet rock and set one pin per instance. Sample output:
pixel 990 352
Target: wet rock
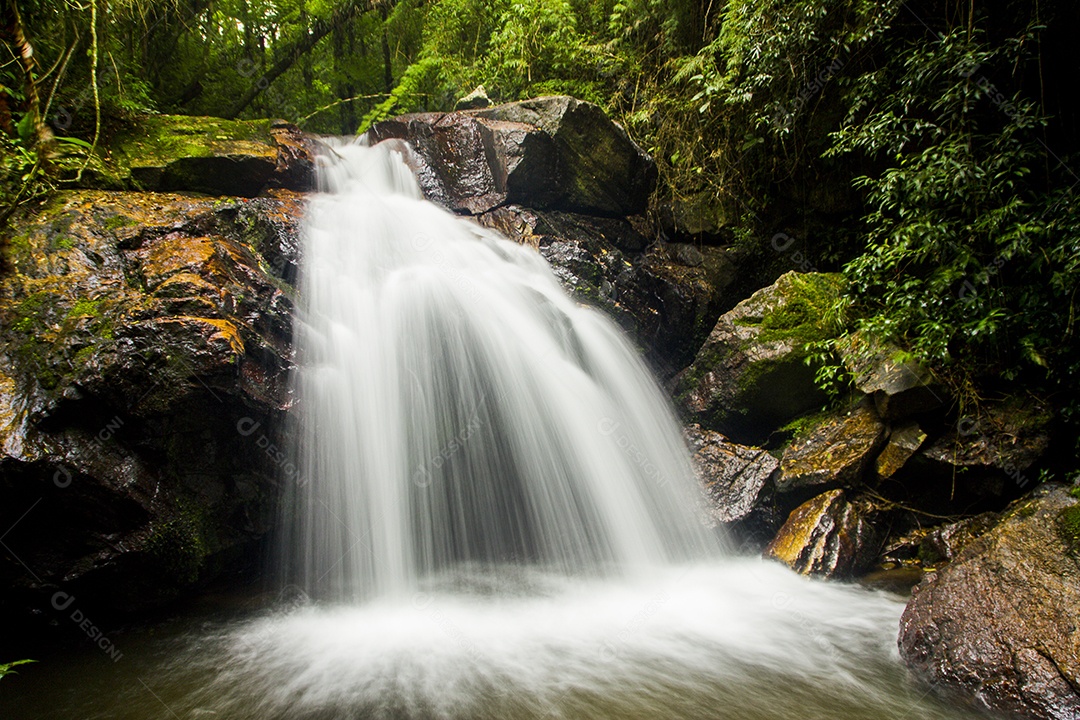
pixel 665 306
pixel 478 98
pixel 828 536
pixel 697 216
pixel 997 626
pixel 980 461
pixel 900 387
pixel 904 441
pixel 294 168
pixel 207 155
pixel 834 452
pixel 751 375
pixel 144 354
pixel 471 165
pixel 932 547
pixel 739 484
pixel 547 153
pixel 943 544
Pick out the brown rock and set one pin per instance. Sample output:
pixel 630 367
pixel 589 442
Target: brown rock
pixel 998 625
pixel 738 482
pixel 827 536
pixel 904 441
pixel 139 329
pixel 549 153
pixel 833 453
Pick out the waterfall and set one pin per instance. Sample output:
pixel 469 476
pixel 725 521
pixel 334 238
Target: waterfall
pixel 457 408
pixel 497 515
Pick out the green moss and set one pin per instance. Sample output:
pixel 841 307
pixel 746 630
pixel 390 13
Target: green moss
pixel 1068 522
pixel 115 222
pixel 62 242
pixel 803 315
pixel 1075 492
pixel 85 307
pixel 802 426
pixel 178 549
pixel 159 139
pixel 27 316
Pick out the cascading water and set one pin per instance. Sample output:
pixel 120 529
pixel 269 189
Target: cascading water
pixel 498 510
pixel 458 407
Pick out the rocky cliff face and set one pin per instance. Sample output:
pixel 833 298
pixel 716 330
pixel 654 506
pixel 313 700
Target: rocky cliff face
pixel 145 353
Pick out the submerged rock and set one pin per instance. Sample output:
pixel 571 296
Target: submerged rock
pixel 739 484
pixel 998 625
pixel 550 153
pixel 834 452
pixel 828 536
pixel 751 376
pixel 144 356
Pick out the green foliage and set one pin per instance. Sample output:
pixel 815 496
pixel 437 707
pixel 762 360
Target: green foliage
pixel 8 668
pixel 423 82
pixel 968 263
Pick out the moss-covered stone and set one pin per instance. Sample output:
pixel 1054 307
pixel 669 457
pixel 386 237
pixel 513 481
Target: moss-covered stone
pixel 211 155
pixel 835 452
pixel 752 376
pixel 132 321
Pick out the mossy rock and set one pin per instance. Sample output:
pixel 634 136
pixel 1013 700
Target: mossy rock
pixel 133 322
pixel 201 154
pixel 752 375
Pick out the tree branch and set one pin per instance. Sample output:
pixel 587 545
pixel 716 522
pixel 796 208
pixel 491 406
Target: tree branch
pixel 318 30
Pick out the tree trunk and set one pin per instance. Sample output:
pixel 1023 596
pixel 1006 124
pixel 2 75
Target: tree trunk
pixel 388 69
pixel 41 137
pixel 293 52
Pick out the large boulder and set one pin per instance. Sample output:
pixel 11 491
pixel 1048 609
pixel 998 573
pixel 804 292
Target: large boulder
pixel 998 625
pixel 828 536
pixel 752 376
pixel 739 483
pixel 202 154
pixel 143 364
pixel 665 296
pixel 548 153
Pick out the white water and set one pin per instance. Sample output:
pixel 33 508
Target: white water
pixel 458 407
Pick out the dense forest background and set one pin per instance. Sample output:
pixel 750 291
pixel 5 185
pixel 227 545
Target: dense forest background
pixel 927 149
